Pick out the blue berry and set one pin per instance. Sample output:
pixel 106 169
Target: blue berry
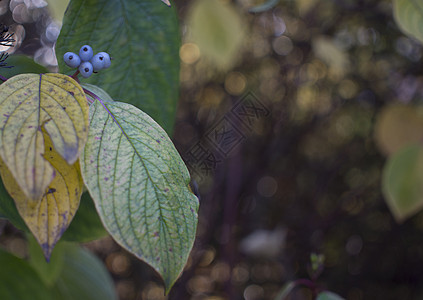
pixel 98 62
pixel 86 69
pixel 107 59
pixel 71 59
pixel 86 53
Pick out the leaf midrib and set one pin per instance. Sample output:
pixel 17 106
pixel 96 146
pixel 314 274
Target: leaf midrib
pixel 155 187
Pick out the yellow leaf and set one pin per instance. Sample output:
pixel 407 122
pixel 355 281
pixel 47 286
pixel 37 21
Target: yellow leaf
pixel 50 216
pixel 29 103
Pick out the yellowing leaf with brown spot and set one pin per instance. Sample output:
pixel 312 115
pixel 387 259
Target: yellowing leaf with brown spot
pixel 50 216
pixel 28 103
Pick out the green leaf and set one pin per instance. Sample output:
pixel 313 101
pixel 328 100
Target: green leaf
pixel 285 291
pixel 328 296
pixel 139 184
pixel 142 36
pixel 409 16
pixel 72 273
pixel 218 30
pixel 18 280
pixel 86 225
pixel 21 64
pixel 30 102
pixel 83 276
pixel 402 182
pixel 48 271
pixel 9 211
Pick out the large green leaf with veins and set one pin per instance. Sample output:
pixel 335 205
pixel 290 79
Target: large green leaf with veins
pixel 139 185
pixel 142 37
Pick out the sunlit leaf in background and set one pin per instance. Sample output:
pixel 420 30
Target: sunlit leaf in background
pixel 57 8
pixel 325 49
pixel 218 30
pixel 139 184
pixel 29 102
pixel 402 182
pixel 397 126
pixel 50 216
pixel 409 16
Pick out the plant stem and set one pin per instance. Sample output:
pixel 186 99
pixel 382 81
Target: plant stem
pixel 75 76
pixel 91 94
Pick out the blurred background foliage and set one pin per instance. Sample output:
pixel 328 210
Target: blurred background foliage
pixel 339 91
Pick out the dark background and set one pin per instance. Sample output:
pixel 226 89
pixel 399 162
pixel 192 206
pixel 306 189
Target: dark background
pixel 289 164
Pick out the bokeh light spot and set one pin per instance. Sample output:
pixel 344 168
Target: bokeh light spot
pixel 267 186
pixel 189 53
pixel 354 245
pixel 282 45
pixel 235 83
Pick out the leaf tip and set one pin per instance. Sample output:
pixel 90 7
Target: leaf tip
pixel 166 2
pixel 47 249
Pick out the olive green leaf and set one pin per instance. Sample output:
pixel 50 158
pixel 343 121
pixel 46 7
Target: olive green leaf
pixel 83 276
pixel 139 184
pixel 142 37
pixel 18 280
pixel 86 225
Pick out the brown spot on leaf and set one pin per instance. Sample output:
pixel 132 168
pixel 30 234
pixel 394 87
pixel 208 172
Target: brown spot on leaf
pixel 51 190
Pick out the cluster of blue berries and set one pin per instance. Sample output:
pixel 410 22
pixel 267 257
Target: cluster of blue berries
pixel 86 61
